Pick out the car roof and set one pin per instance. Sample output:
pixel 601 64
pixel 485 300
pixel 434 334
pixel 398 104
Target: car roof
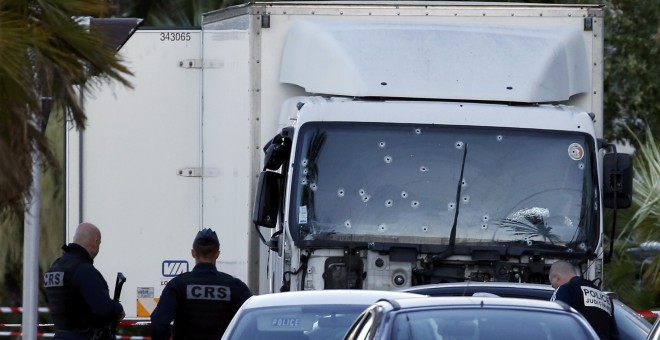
pixel 476 284
pixel 326 297
pixel 503 289
pixel 478 301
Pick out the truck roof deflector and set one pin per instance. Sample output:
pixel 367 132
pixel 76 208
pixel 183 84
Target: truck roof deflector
pixel 537 64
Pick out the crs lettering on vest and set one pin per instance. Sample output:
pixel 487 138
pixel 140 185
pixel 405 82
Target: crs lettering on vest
pixel 596 298
pixel 54 279
pixel 204 292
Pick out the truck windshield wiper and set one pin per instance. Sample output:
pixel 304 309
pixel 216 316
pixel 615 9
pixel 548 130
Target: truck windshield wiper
pixel 452 235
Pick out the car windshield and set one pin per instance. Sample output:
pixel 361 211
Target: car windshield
pixel 400 183
pixel 487 324
pixel 299 322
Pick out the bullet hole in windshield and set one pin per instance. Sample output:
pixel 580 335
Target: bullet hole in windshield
pixel 404 194
pixel 425 228
pixel 388 159
pixel 362 192
pixel 304 162
pixel 414 204
pixel 484 226
pixel 313 186
pixel 303 181
pixel 466 199
pixel 581 166
pixel 382 228
pixel 451 206
pixel 305 171
pixel 365 198
pixel 418 131
pixel 485 218
pixel 347 223
pixel 423 169
pixel 389 203
pixel 459 145
pixel 381 144
pixel 499 138
pixel 340 193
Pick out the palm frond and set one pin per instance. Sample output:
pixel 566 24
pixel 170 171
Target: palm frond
pixel 643 226
pixel 45 52
pixel 529 230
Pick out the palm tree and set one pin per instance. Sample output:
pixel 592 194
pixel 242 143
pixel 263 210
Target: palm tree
pixel 44 53
pixel 637 279
pixel 643 227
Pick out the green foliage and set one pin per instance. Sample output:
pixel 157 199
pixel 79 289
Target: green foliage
pixel 637 278
pixel 643 226
pixel 632 70
pixel 45 52
pixel 52 225
pixel 622 276
pixel 173 13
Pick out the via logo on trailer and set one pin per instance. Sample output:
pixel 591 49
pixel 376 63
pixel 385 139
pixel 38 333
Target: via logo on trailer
pixel 172 268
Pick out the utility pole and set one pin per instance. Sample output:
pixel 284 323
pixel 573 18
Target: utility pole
pixel 32 233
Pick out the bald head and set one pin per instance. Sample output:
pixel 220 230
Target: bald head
pixel 88 236
pixel 560 273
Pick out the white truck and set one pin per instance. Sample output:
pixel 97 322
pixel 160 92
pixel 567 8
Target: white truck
pixel 381 144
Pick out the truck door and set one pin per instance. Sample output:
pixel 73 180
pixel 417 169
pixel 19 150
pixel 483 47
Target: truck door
pixel 135 169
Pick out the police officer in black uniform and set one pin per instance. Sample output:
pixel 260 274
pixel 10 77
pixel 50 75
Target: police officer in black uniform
pixel 201 302
pixel 77 293
pixel 585 297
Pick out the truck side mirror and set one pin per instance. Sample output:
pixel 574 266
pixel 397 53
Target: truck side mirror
pixel 617 180
pixel 275 156
pixel 277 150
pixel 268 198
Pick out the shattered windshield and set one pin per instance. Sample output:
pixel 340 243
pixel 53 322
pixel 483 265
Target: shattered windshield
pixel 400 183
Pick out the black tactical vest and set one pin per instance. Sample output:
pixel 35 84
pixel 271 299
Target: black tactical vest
pixel 204 305
pixel 68 308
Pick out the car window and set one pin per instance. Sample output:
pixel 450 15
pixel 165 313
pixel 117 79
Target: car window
pixel 292 323
pixel 487 324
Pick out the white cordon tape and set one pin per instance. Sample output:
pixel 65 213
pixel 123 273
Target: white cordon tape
pixel 134 323
pixel 43 335
pixel 121 323
pixel 9 310
pixel 52 335
pixel 20 310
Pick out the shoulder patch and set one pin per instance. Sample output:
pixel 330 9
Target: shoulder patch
pixel 207 292
pixel 54 279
